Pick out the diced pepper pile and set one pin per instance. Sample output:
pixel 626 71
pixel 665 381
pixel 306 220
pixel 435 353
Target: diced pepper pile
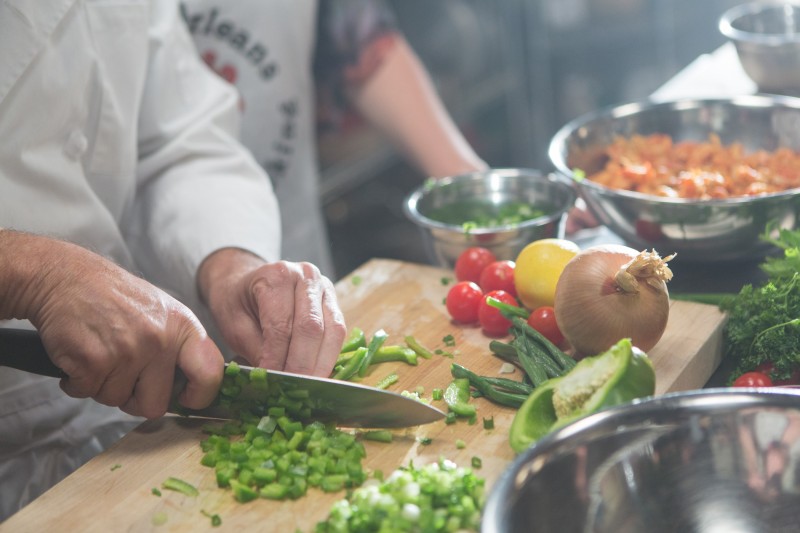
pixel 267 453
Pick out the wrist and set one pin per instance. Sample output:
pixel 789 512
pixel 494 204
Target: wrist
pixel 28 264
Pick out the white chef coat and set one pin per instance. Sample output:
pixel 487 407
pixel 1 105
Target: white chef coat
pixel 113 135
pixel 266 48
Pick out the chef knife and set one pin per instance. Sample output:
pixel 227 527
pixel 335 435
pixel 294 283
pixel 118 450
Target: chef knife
pixel 344 403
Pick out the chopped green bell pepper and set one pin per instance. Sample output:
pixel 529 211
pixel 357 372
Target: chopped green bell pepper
pixel 457 397
pixel 619 375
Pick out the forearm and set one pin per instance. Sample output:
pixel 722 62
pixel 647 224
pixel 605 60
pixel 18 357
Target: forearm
pixel 400 99
pixel 27 264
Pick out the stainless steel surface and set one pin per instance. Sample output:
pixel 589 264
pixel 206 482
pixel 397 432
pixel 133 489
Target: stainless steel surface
pixel 767 40
pixel 445 242
pixel 698 230
pixel 329 400
pixel 717 460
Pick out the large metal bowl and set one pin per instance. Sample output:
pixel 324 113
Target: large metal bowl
pixel 767 40
pixel 445 242
pixel 718 460
pixel 698 230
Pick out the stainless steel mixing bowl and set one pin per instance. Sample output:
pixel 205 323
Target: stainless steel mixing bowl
pixel 716 460
pixel 767 40
pixel 445 242
pixel 698 230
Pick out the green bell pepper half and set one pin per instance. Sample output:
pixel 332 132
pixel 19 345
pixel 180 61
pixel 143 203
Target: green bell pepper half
pixel 619 375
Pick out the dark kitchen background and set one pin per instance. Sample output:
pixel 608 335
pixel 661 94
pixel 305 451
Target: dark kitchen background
pixel 511 72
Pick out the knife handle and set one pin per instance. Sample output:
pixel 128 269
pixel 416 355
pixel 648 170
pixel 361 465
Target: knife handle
pixel 23 349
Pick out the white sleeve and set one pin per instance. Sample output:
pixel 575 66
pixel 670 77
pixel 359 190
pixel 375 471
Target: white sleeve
pixel 199 189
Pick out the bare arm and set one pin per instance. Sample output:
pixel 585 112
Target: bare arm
pixel 400 99
pixel 117 337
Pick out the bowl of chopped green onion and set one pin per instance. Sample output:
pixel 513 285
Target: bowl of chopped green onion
pixel 499 209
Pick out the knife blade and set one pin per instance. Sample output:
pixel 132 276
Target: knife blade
pixel 344 403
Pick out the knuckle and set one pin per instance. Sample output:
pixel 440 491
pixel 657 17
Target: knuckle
pixel 310 270
pixel 339 330
pixel 310 325
pixel 277 270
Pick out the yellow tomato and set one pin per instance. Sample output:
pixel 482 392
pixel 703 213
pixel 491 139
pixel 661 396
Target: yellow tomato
pixel 538 267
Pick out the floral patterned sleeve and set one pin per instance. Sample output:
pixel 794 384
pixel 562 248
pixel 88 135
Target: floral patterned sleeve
pixel 353 37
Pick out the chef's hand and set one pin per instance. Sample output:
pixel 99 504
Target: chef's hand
pixel 282 315
pixel 117 337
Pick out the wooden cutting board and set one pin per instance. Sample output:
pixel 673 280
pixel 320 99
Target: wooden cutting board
pixel 113 491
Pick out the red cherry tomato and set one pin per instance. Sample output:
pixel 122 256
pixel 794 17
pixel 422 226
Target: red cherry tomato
pixel 462 301
pixel 492 321
pixel 753 379
pixel 498 276
pixel 543 320
pixel 471 263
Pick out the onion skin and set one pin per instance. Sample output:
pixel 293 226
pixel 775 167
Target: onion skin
pixel 610 292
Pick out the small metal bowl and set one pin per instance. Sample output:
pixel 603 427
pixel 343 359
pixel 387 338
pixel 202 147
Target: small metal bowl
pixel 767 40
pixel 445 242
pixel 698 230
pixel 703 461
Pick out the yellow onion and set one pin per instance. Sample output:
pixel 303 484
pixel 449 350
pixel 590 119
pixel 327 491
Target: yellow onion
pixel 610 292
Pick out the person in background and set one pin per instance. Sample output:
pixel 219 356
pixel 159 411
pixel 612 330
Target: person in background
pixel 280 54
pixel 133 223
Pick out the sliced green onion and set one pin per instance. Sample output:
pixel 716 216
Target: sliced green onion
pixel 436 497
pixel 387 381
pixel 216 520
pixel 380 435
pixel 159 518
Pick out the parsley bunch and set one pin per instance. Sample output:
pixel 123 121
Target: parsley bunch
pixel 764 321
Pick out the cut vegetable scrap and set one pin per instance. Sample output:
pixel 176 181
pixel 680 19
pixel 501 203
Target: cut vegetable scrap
pixel 179 485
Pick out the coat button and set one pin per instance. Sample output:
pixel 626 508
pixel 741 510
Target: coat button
pixel 76 145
